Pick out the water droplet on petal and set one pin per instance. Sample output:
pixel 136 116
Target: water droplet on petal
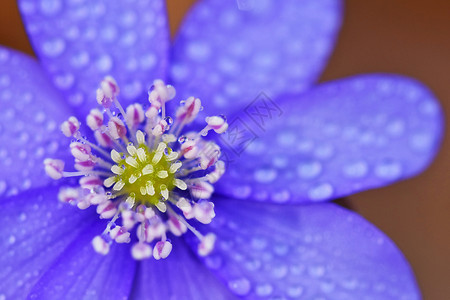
pixel 53 47
pixel 264 290
pixel 388 169
pixel 240 287
pixel 265 175
pixel 321 191
pixel 50 7
pixel 309 170
pixel 356 169
pixel 2 187
pixel 104 63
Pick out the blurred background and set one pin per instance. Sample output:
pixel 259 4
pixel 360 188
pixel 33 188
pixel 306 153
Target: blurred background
pixel 409 37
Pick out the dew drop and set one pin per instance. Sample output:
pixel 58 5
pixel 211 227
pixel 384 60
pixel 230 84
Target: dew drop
pixel 198 50
pixel 316 271
pixel 2 187
pixel 23 216
pixel 280 271
pixel 324 151
pixel 54 47
pixel 213 262
pixel 258 243
pixel 264 290
pixel 240 287
pixel 50 7
pixel 421 142
pixel 286 138
pixel 265 175
pixel 295 291
pixel 309 170
pixel 356 169
pixel 80 59
pixel 148 61
pixel 396 128
pixel 11 239
pixel 321 191
pixel 281 196
pixel 388 170
pixel 109 33
pixel 252 265
pixel 429 108
pixel 64 81
pixel 104 63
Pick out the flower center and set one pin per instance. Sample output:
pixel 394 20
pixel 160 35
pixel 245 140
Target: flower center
pixel 141 173
pixel 145 174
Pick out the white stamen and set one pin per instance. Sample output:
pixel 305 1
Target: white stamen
pixel 141 154
pixel 162 174
pixel 175 167
pixel 180 184
pixel 117 170
pixel 140 137
pixel 150 189
pixel 132 179
pixel 148 169
pixel 161 206
pixel 115 156
pixel 119 185
pixel 108 182
pixel 164 191
pixel 131 150
pixel 172 156
pixel 132 161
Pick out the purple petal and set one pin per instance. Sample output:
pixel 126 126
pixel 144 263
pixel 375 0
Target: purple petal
pixel 36 230
pixel 81 273
pixel 79 42
pixel 319 251
pixel 31 113
pixel 341 138
pixel 180 276
pixel 227 56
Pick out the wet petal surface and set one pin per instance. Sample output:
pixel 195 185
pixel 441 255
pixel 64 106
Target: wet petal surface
pixel 319 251
pixel 226 56
pixel 342 137
pixel 79 42
pixel 32 111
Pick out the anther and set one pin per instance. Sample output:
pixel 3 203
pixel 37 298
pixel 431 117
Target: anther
pixel 95 119
pixel 70 127
pixel 54 168
pixel 162 249
pixel 206 244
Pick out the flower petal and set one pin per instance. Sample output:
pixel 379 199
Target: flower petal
pixel 81 273
pixel 31 113
pixel 305 252
pixel 36 230
pixel 79 42
pixel 227 56
pixel 341 138
pixel 180 276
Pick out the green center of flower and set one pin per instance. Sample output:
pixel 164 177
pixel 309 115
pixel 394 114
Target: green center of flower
pixel 146 175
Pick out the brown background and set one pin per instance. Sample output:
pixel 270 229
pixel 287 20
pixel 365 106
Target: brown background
pixel 401 36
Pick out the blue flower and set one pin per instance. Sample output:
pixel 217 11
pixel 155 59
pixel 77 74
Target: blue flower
pixel 295 144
